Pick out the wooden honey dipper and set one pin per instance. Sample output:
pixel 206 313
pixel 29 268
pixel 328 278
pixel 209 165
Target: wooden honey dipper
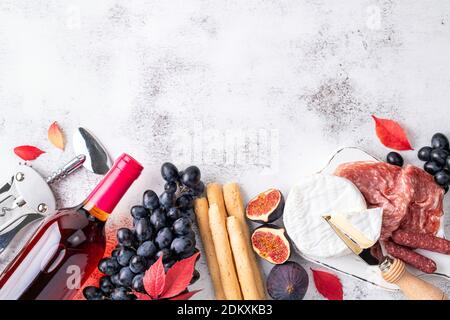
pixel 394 271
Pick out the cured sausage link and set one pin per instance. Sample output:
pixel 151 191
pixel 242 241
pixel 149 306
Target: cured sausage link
pixel 421 241
pixel 410 257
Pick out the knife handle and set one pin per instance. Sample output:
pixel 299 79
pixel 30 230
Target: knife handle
pixel 413 287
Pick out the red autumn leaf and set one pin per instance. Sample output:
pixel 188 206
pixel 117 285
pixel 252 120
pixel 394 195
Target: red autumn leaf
pixel 155 279
pixel 391 134
pixel 186 296
pixel 328 285
pixel 56 136
pixel 179 277
pixel 142 296
pixel 28 153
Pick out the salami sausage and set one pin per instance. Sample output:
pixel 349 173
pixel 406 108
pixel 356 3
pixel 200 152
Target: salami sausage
pixel 421 241
pixel 410 257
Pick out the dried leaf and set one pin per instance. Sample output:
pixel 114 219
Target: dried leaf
pixel 186 296
pixel 155 279
pixel 391 134
pixel 179 277
pixel 28 153
pixel 328 285
pixel 56 136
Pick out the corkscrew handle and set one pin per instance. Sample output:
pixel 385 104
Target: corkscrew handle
pixel 68 169
pixel 413 287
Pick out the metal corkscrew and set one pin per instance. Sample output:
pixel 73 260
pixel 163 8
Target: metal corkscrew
pixel 75 164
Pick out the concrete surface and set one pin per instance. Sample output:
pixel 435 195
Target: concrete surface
pixel 256 91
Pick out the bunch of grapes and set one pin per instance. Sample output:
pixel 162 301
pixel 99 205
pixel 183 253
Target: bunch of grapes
pixel 162 227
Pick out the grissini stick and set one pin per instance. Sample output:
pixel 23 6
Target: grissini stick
pixel 215 196
pixel 414 288
pixel 235 207
pixel 201 212
pixel 242 260
pixel 230 282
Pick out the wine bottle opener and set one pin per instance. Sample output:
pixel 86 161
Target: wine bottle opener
pixel 27 197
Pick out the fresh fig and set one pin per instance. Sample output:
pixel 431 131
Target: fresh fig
pixel 288 281
pixel 267 207
pixel 271 244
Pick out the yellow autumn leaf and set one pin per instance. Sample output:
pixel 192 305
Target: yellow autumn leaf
pixel 56 136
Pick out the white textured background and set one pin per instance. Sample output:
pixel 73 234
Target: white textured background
pixel 258 91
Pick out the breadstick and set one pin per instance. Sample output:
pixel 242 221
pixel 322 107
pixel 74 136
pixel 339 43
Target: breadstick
pixel 230 282
pixel 215 196
pixel 241 255
pixel 235 207
pixel 201 212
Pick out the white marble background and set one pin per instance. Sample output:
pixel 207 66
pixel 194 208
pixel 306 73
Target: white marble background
pixel 258 91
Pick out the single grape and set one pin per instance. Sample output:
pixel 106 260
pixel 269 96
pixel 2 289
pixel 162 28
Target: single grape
pixel 173 213
pixel 138 283
pixel 138 264
pixel 150 200
pixel 139 212
pixel 164 238
pixel 158 219
pixel 108 266
pixel 185 201
pixel 143 230
pixel 182 226
pixel 93 293
pixel 121 293
pixel 191 177
pixel 125 237
pixel 125 255
pixel 147 249
pixel 167 200
pixel 171 187
pixel 106 285
pixel 126 276
pixel 169 172
pixel 198 190
pixel 182 245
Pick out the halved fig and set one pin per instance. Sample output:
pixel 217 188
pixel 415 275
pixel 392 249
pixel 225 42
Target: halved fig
pixel 267 207
pixel 271 244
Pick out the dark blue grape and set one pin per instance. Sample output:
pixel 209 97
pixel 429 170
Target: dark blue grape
pixel 138 264
pixel 169 172
pixel 106 285
pixel 425 153
pixel 115 280
pixel 171 187
pixel 182 245
pixel 147 249
pixel 143 230
pixel 173 213
pixel 395 159
pixel 182 226
pixel 158 219
pixel 164 238
pixel 139 212
pixel 93 293
pixel 189 253
pixel 191 177
pixel 108 266
pixel 167 200
pixel 439 156
pixel 440 141
pixel 185 201
pixel 151 200
pixel 125 255
pixel 166 254
pixel 138 283
pixel 198 190
pixel 121 293
pixel 126 276
pixel 125 237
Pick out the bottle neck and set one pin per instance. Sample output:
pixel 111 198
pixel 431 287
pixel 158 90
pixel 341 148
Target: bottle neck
pixel 105 197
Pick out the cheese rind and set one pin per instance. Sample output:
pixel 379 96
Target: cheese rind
pixel 311 199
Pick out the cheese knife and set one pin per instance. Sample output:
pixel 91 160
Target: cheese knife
pixel 393 270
